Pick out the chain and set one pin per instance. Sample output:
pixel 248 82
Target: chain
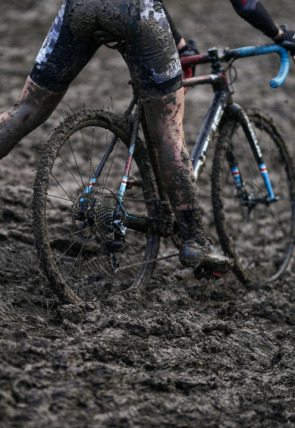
pixel 155 200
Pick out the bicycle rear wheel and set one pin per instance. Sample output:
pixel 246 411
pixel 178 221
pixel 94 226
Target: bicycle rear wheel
pixel 77 251
pixel 260 235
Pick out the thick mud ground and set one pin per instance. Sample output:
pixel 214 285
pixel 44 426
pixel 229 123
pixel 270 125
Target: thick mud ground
pixel 183 353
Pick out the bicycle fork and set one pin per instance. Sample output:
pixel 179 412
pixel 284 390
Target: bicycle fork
pixel 211 123
pixel 234 110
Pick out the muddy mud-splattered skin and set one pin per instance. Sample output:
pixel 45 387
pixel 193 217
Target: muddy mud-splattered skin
pixel 175 167
pixel 33 107
pixel 174 158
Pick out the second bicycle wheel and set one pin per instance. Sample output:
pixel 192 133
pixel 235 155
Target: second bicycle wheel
pixel 74 232
pixel 258 234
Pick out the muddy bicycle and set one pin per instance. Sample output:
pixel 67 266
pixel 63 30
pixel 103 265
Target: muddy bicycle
pixel 99 212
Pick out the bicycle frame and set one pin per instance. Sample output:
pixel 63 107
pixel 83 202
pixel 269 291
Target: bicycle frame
pixel 96 231
pixel 220 105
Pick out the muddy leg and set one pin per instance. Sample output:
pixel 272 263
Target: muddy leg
pixel 164 120
pixel 33 107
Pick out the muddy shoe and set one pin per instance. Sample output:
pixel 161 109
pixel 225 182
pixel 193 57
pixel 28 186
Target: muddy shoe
pixel 191 254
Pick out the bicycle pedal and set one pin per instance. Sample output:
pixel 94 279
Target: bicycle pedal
pixel 205 274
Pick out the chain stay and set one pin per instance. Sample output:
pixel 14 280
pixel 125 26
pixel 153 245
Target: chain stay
pixel 144 263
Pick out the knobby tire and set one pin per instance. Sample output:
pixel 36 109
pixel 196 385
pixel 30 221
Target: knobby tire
pixel 260 241
pixel 70 266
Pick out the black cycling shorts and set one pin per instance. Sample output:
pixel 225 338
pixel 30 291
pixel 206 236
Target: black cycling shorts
pixel 150 53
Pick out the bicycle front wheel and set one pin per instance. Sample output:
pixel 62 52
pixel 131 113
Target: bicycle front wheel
pixel 74 232
pixel 256 233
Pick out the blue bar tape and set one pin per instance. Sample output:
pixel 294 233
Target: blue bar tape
pixel 266 49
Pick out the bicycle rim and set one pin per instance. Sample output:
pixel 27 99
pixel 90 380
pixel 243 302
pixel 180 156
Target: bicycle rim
pixel 259 238
pixel 75 254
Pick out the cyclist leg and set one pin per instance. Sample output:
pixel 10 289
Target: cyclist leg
pixel 33 107
pixel 161 89
pixel 164 120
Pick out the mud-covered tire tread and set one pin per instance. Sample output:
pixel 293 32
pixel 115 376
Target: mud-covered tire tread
pixel 119 126
pixel 222 143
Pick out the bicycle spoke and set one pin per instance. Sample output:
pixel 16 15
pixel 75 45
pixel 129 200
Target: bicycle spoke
pixel 80 240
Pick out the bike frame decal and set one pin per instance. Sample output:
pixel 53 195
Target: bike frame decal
pixel 253 139
pixel 249 131
pixel 236 176
pixel 266 179
pixel 88 189
pixel 124 180
pixel 90 185
pixel 207 132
